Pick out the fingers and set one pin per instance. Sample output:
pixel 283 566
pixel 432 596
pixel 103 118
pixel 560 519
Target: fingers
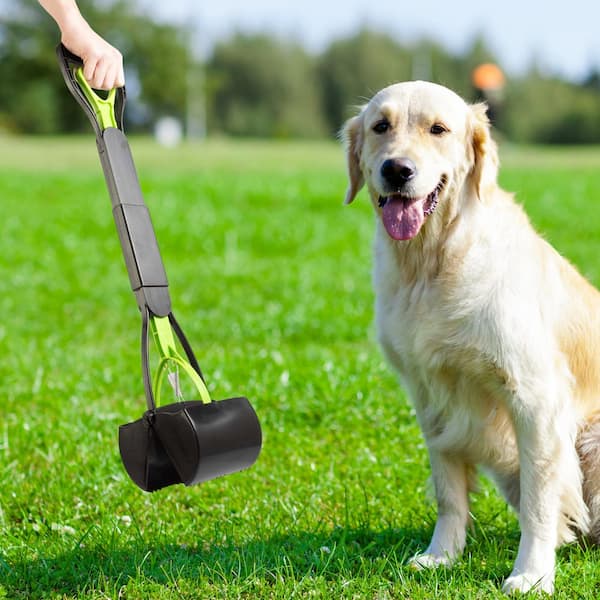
pixel 105 71
pixel 102 63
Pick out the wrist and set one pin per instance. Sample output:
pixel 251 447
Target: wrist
pixel 64 12
pixel 75 34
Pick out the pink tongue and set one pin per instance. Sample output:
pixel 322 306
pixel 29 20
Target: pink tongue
pixel 402 219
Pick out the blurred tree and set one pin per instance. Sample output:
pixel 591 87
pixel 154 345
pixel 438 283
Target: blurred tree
pixel 547 110
pixel 33 97
pixel 444 68
pixel 592 80
pixel 261 86
pixel 351 70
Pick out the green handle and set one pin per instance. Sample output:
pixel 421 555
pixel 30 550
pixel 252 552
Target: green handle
pixel 167 350
pixel 103 113
pixel 104 108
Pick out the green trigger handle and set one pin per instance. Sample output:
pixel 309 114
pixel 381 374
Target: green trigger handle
pixel 104 108
pixel 136 233
pixel 103 113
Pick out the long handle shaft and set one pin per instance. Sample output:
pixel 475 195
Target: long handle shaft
pixel 140 248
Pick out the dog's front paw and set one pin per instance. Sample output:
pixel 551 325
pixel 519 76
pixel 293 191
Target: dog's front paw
pixel 529 582
pixel 429 561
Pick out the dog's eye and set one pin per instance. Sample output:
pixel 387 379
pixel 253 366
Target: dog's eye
pixel 438 129
pixel 381 126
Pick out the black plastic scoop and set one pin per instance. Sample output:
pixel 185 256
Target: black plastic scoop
pixel 188 441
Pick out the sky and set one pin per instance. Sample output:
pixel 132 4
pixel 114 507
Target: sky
pixel 561 36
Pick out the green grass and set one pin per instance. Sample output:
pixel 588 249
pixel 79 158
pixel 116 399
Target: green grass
pixel 270 278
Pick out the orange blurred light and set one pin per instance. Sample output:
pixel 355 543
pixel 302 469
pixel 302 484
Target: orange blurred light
pixel 488 76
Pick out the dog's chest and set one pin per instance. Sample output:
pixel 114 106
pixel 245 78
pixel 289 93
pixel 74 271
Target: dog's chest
pixel 437 321
pixel 456 388
pixel 413 324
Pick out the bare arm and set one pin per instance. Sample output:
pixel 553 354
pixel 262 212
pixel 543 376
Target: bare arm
pixel 102 63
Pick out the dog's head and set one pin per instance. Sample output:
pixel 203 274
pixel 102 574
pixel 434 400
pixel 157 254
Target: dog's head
pixel 420 148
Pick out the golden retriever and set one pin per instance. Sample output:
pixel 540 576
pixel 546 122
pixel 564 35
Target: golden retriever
pixel 495 336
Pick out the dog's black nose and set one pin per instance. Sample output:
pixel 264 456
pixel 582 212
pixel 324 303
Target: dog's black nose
pixel 398 171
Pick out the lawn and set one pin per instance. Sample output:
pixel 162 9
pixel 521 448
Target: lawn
pixel 270 279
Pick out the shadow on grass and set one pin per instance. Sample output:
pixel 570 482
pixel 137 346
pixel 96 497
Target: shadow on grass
pixel 105 568
pixel 339 553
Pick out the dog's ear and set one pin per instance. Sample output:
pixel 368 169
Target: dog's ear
pixel 485 153
pixel 352 135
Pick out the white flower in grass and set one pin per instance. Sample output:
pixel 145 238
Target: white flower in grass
pixel 63 528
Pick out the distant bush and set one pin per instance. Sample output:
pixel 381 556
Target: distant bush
pixel 545 110
pixel 262 86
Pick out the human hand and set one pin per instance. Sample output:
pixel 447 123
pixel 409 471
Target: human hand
pixel 102 63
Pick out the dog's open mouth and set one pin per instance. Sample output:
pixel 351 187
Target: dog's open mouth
pixel 403 217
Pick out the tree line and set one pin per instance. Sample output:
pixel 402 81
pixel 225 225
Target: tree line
pixel 263 86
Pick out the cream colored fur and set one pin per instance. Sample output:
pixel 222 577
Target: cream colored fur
pixel 496 337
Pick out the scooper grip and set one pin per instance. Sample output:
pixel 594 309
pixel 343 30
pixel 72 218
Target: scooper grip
pixel 96 109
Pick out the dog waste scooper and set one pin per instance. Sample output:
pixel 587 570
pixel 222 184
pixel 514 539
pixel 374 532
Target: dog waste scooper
pixel 185 442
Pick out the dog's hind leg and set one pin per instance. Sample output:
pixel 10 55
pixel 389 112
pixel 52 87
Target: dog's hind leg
pixel 510 486
pixel 588 448
pixel 551 500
